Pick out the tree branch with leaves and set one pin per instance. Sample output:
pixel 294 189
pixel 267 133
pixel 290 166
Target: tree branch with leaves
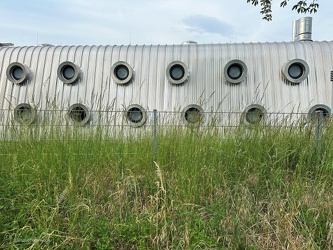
pixel 301 7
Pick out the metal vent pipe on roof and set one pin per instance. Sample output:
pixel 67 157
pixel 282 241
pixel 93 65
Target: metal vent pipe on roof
pixel 302 29
pixel 45 45
pixel 6 44
pixel 189 42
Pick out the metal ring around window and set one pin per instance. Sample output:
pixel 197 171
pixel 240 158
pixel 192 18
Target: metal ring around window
pixel 121 72
pixel 17 73
pixel 235 71
pixel 25 114
pixel 79 114
pixel 136 115
pixel 253 114
pixel 177 72
pixel 192 114
pixel 314 112
pixel 68 72
pixel 295 71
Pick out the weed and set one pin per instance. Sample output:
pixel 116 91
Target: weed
pixel 258 187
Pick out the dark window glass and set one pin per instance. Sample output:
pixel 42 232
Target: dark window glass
pixel 177 72
pixel 78 114
pixel 235 71
pixel 17 73
pixel 121 72
pixel 24 113
pixel 68 72
pixel 135 115
pixel 192 115
pixel 295 71
pixel 254 115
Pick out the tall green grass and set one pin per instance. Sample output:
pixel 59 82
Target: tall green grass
pixel 241 188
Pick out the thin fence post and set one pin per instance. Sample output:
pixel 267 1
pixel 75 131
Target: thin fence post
pixel 320 118
pixel 332 92
pixel 155 135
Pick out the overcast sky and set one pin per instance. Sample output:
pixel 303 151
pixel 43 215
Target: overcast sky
pixel 117 22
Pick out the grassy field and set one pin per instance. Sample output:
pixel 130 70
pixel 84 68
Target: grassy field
pixel 245 188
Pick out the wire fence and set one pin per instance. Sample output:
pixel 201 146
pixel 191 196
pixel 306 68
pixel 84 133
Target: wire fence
pixel 26 115
pixel 87 127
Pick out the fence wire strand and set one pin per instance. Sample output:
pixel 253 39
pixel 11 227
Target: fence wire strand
pixel 121 126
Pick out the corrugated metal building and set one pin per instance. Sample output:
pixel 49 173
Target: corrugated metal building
pixel 265 77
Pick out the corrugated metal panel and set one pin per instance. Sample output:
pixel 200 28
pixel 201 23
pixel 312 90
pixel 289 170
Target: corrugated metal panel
pixel 206 86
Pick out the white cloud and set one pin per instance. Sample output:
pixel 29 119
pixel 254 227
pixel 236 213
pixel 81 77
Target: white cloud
pixel 207 24
pixel 149 21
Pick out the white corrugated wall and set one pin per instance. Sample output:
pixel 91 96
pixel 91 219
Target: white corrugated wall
pixel 264 84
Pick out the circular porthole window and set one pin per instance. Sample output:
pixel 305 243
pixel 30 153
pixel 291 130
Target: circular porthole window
pixel 79 114
pixel 253 114
pixel 25 114
pixel 17 73
pixel 314 112
pixel 192 114
pixel 295 71
pixel 136 115
pixel 235 71
pixel 177 72
pixel 122 72
pixel 68 72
